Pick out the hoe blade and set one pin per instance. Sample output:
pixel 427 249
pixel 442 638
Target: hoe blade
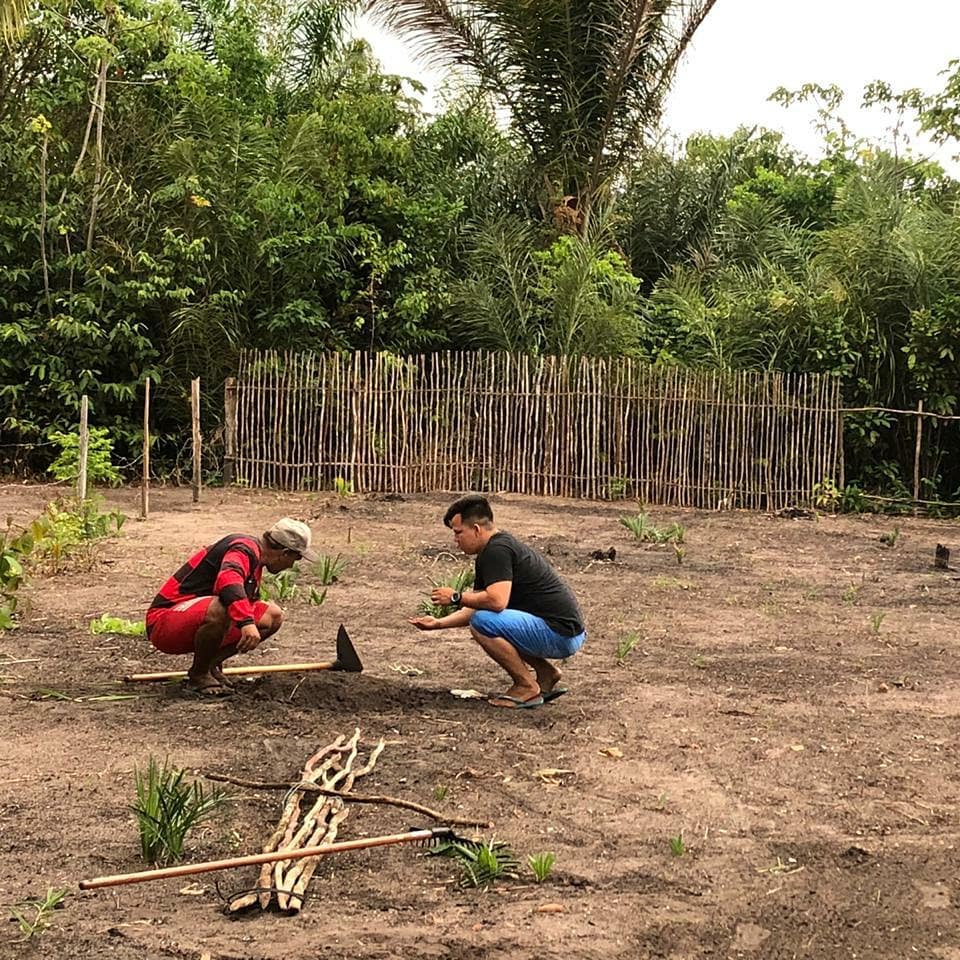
pixel 347 659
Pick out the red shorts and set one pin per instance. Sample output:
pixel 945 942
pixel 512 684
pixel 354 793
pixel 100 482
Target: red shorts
pixel 172 630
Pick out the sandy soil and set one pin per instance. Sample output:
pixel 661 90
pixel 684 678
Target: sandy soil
pixel 791 706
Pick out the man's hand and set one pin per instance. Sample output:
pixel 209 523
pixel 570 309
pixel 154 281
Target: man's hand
pixel 425 623
pixel 442 596
pixel 249 638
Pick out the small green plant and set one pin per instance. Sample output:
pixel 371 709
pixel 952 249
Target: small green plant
pixel 11 578
pixel 280 586
pixel 35 916
pixel 317 597
pixel 625 645
pixel 343 487
pixel 127 628
pixel 440 792
pixel 100 468
pixel 890 538
pixel 677 847
pixel 482 863
pixel 328 569
pixel 460 581
pixel 541 864
pixel 679 552
pixel 644 531
pixel 699 662
pixel 617 488
pixel 851 594
pixel 167 808
pixel 875 622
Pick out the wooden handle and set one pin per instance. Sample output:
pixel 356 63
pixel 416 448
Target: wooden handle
pixel 234 671
pixel 210 865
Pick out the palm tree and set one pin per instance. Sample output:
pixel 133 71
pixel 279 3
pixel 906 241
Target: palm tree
pixel 582 79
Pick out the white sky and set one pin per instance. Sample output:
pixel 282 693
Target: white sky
pixel 747 48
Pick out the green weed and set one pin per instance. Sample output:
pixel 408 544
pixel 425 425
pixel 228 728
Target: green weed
pixel 625 645
pixel 343 487
pixel 281 586
pixel 646 532
pixel 328 569
pixel 677 846
pixel 875 621
pixel 440 792
pixel 126 628
pixel 541 864
pixel 167 808
pixel 35 916
pixel 679 552
pixel 851 594
pixel 316 598
pixel 890 538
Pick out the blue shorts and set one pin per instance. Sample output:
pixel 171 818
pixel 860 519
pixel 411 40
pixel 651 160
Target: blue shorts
pixel 529 634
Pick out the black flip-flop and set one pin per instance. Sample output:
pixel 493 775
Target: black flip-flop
pixel 518 704
pixel 549 695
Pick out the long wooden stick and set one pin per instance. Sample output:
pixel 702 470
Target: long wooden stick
pixel 235 671
pixel 209 866
pixel 351 797
pixel 145 477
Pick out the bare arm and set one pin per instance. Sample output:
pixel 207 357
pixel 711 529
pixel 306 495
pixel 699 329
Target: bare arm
pixel 459 618
pixel 495 597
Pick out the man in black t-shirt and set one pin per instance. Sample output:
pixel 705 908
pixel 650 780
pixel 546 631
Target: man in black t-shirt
pixel 520 611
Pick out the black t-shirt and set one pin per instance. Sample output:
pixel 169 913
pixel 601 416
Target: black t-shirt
pixel 537 587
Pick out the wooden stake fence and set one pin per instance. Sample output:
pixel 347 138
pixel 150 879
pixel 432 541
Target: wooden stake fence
pixel 145 477
pixel 604 428
pixel 197 439
pixel 84 448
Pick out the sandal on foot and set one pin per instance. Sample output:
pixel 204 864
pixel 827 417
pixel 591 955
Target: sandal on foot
pixel 209 691
pixel 515 703
pixel 549 695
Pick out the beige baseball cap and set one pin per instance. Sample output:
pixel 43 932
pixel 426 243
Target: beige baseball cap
pixel 293 535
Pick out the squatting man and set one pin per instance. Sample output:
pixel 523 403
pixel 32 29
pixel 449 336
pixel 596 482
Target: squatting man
pixel 211 608
pixel 520 611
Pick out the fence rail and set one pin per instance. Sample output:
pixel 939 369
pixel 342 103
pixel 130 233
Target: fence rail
pixel 604 428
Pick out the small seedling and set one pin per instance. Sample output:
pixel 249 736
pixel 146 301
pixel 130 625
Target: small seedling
pixel 167 809
pixel 316 598
pixel 890 538
pixel 677 847
pixel 281 586
pixel 851 594
pixel 343 487
pixel 875 621
pixel 699 661
pixel 481 864
pixel 646 532
pixel 460 581
pixel 35 916
pixel 125 628
pixel 679 552
pixel 328 569
pixel 440 792
pixel 626 645
pixel 541 864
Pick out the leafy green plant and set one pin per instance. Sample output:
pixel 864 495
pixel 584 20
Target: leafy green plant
pixel 11 579
pixel 35 916
pixel 677 845
pixel 625 646
pixel 328 569
pixel 460 581
pixel 875 622
pixel 343 487
pixel 482 863
pixel 100 468
pixel 541 864
pixel 127 628
pixel 167 808
pixel 316 597
pixel 645 531
pixel 281 586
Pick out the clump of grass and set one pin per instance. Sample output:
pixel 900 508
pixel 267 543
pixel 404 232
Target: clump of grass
pixel 481 863
pixel 440 792
pixel 677 846
pixel 126 628
pixel 460 581
pixel 875 622
pixel 328 569
pixel 541 864
pixel 167 809
pixel 35 916
pixel 316 597
pixel 280 586
pixel 626 645
pixel 646 532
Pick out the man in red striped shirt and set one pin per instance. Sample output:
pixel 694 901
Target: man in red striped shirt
pixel 211 608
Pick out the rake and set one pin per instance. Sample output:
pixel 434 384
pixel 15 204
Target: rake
pixel 426 836
pixel 347 661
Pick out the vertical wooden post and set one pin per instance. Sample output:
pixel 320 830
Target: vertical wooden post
pixel 195 418
pixel 916 455
pixel 145 477
pixel 229 430
pixel 84 448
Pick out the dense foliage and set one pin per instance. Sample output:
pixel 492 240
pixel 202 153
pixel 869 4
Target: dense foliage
pixel 184 178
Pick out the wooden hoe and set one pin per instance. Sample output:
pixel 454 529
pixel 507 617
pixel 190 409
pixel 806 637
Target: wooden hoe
pixel 347 660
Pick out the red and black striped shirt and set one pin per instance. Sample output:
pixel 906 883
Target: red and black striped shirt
pixel 229 569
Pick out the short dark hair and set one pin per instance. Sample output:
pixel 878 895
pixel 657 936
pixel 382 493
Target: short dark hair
pixel 472 509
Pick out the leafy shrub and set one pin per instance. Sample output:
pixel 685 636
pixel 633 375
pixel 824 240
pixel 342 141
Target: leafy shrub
pixel 100 468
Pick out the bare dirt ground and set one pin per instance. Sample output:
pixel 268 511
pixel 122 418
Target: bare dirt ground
pixel 791 706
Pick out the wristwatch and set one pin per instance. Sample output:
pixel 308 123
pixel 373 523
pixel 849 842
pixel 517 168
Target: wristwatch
pixel 456 598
